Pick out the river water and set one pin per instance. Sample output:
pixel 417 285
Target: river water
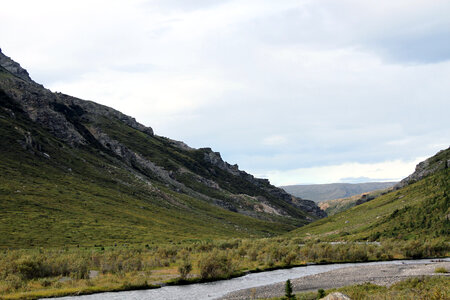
pixel 217 289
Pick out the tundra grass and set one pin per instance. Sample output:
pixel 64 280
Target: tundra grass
pixel 418 210
pixel 161 151
pixel 43 272
pixel 431 287
pixel 80 196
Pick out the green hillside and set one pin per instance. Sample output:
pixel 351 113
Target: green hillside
pixel 73 172
pixel 332 207
pixel 79 197
pixel 418 210
pixel 86 188
pixel 332 191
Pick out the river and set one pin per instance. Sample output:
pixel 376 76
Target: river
pixel 217 289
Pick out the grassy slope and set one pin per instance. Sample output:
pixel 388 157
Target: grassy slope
pixel 332 207
pixel 162 152
pixel 81 196
pixel 431 287
pixel 420 209
pixel 330 191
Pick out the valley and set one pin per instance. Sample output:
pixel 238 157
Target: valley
pixel 92 201
pixel 333 191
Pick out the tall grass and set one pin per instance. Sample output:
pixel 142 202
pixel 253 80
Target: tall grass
pixel 136 265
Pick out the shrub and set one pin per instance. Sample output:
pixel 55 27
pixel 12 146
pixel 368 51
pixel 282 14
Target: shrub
pixel 290 258
pixel 29 268
pixel 184 269
pixel 13 282
pixel 440 270
pixel 215 265
pixel 320 293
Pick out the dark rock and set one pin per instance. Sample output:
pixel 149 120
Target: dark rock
pixel 75 122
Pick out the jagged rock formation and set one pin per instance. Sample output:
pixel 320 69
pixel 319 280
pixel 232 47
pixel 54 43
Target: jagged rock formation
pixel 14 68
pixel 438 162
pixel 199 173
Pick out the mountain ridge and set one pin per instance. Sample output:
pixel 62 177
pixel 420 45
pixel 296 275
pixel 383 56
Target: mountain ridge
pixel 332 191
pixel 417 207
pixel 87 139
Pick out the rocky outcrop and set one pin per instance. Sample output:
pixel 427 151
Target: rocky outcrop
pixel 96 110
pixel 364 198
pixel 14 67
pixel 78 123
pixel 336 296
pixel 309 206
pixel 59 113
pixel 438 162
pixel 215 159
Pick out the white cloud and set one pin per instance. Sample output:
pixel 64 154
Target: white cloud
pixel 382 171
pixel 274 140
pixel 273 85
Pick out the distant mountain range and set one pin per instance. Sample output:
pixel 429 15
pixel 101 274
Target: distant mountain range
pixel 331 191
pixel 416 207
pixel 77 172
pixel 334 206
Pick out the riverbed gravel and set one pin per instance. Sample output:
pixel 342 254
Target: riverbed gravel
pixel 377 274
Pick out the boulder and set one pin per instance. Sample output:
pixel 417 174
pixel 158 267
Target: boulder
pixel 336 296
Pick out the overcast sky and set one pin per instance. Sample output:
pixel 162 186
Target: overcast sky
pixel 294 91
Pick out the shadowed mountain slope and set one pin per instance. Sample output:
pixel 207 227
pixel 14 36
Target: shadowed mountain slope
pixel 77 172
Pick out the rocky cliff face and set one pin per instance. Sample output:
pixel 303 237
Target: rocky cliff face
pixel 429 166
pixel 305 205
pixel 201 173
pixel 14 68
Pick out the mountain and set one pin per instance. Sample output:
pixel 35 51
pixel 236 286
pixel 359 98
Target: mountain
pixel 425 168
pixel 332 207
pixel 440 161
pixel 418 206
pixel 77 172
pixel 322 192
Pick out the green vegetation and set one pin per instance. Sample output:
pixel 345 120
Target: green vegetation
pixel 38 272
pixel 92 214
pixel 330 191
pixel 332 207
pixel 320 293
pixel 83 218
pixel 54 194
pixel 441 270
pixel 288 295
pixel 433 288
pixel 188 165
pixel 416 211
pixel 78 196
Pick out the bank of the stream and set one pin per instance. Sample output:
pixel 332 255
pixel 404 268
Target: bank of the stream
pixel 38 273
pixel 252 283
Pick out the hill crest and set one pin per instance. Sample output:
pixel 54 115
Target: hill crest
pixel 59 132
pixel 332 191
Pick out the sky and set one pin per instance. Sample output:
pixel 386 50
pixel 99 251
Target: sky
pixel 299 92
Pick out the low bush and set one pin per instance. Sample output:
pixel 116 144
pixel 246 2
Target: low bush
pixel 215 265
pixel 440 270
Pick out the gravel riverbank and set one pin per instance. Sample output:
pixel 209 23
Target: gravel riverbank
pixel 377 274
